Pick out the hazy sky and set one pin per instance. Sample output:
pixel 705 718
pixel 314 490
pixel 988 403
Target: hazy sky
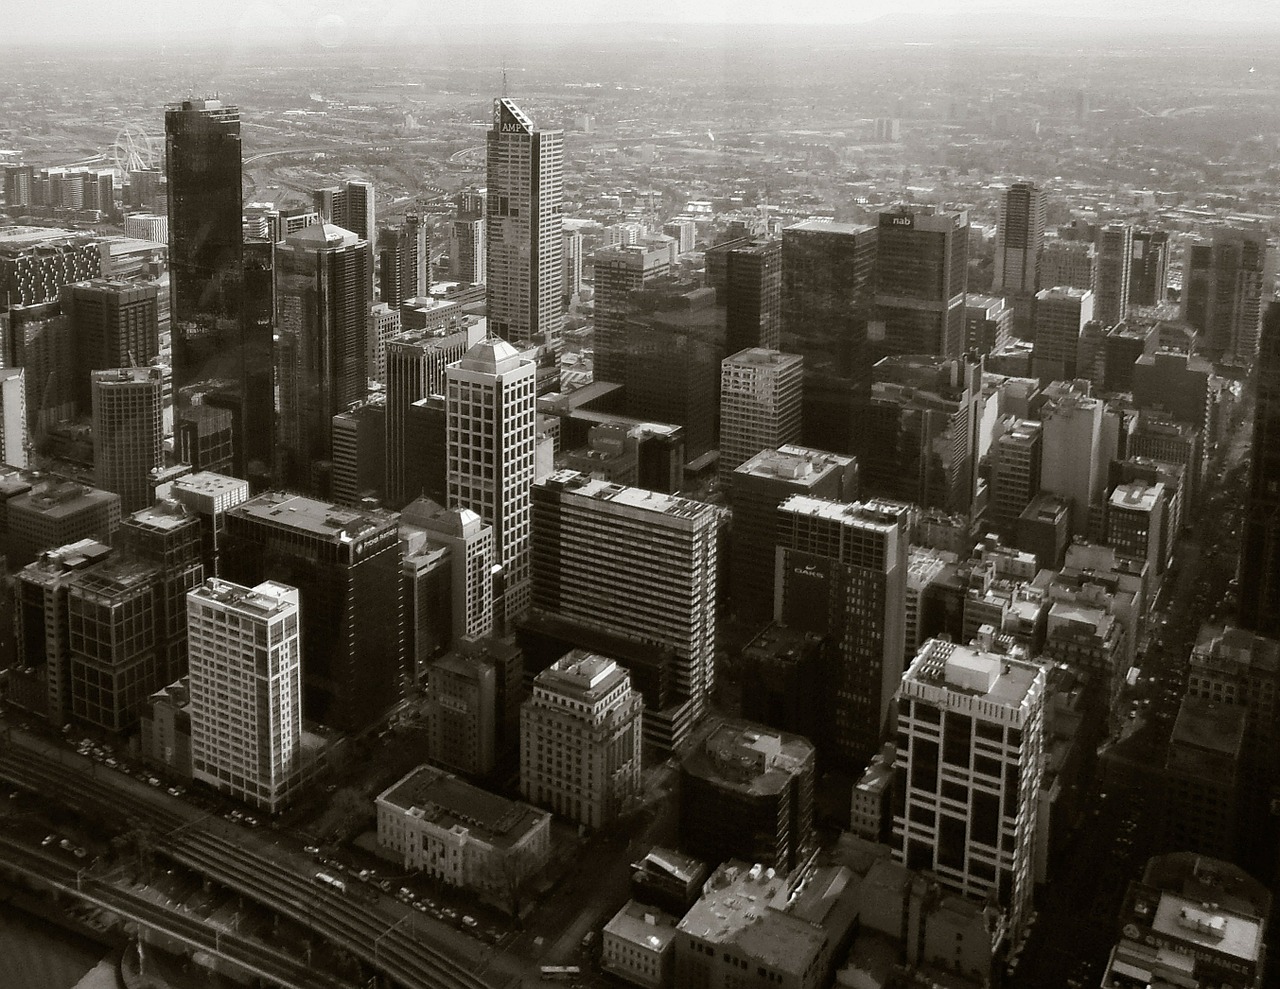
pixel 329 21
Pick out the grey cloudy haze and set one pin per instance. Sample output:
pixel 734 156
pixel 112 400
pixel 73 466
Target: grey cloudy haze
pixel 333 21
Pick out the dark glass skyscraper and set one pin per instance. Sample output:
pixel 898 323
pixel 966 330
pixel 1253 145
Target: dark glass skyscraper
pixel 1260 544
pixel 202 152
pixel 753 297
pixel 922 261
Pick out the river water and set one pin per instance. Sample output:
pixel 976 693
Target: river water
pixel 37 955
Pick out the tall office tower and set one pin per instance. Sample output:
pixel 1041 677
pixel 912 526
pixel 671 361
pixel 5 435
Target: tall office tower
pixel 416 360
pixel 403 260
pixel 113 324
pixel 683 232
pixel 1019 244
pixel 255 421
pixel 210 496
pixel 1060 318
pixel 842 573
pixel 359 454
pixel 490 401
pixel 1260 541
pixel 524 276
pixel 40 341
pixel 1136 513
pixel 322 298
pixel 128 432
pixel 461 714
pixel 919 441
pixel 572 279
pixel 351 206
pixel 638 565
pixel 619 271
pixel 922 263
pixel 1226 286
pixel 40 681
pixel 971 754
pixel 1173 383
pixel 747 793
pixel 204 438
pixel 1237 668
pixel 760 394
pixel 167 535
pixel 467 253
pixel 1112 264
pixel 202 160
pixel 988 323
pixel 1073 464
pixel 580 739
pixel 1014 459
pixel 246 690
pixel 13 417
pixel 753 296
pixel 674 346
pixel 112 640
pixel 469 542
pixel 346 566
pixel 1067 264
pixel 756 489
pixel 1149 272
pixel 384 324
pixel 828 279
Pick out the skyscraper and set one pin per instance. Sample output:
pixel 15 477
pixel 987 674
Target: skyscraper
pixel 828 278
pixel 523 234
pixel 490 400
pixel 638 565
pixel 922 263
pixel 322 297
pixel 572 280
pixel 403 260
pixel 416 360
pixel 842 573
pixel 113 324
pixel 1260 541
pixel 1112 263
pixel 619 271
pixel 1149 273
pixel 1060 318
pixel 350 206
pixel 128 432
pixel 468 257
pixel 255 426
pixel 969 763
pixel 13 417
pixel 246 689
pixel 346 567
pixel 760 394
pixel 753 296
pixel 202 156
pixel 1225 288
pixel 1019 243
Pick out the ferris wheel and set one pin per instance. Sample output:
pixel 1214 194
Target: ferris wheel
pixel 135 150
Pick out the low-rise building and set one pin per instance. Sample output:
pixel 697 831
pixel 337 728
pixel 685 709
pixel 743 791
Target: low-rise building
pixel 638 945
pixel 433 822
pixel 166 729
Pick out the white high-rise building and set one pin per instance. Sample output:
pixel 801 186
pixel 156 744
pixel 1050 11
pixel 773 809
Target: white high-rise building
pixel 971 755
pixel 490 403
pixel 759 405
pixel 572 263
pixel 246 689
pixel 523 227
pixel 580 739
pixel 13 417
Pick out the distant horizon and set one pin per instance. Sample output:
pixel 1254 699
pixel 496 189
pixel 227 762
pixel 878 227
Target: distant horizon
pixel 314 25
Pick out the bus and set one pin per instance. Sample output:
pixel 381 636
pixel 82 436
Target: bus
pixel 327 880
pixel 560 973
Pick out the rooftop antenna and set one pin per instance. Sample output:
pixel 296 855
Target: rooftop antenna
pixel 504 78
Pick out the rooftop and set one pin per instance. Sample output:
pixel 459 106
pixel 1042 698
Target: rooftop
pixel 206 482
pixel 492 355
pixel 643 925
pixel 830 227
pixel 1137 496
pixel 583 674
pixel 264 601
pixel 762 357
pixel 964 670
pixel 1206 925
pixel 448 802
pixel 865 515
pixel 318 518
pixel 794 463
pixel 641 499
pixel 165 515
pixel 1209 725
pixel 752 759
